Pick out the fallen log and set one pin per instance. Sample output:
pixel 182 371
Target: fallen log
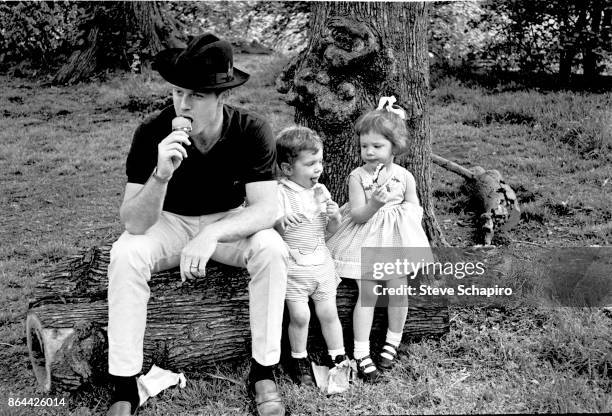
pixel 497 201
pixel 192 326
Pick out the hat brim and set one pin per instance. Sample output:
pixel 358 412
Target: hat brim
pixel 165 64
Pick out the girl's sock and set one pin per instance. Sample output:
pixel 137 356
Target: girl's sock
pixel 361 349
pixel 394 338
pixel 334 353
pixel 299 354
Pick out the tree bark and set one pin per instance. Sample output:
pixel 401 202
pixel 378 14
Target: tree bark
pixel 358 52
pixel 194 326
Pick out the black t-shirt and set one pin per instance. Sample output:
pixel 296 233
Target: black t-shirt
pixel 214 182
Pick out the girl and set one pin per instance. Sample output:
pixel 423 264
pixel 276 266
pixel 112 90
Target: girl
pixel 383 211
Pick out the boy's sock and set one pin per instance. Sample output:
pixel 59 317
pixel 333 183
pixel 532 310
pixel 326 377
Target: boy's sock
pixel 361 349
pixel 125 389
pixel 394 338
pixel 334 353
pixel 299 354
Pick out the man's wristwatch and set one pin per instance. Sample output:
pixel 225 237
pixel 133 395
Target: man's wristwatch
pixel 158 178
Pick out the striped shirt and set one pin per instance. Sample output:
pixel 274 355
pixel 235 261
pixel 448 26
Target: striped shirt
pixel 311 268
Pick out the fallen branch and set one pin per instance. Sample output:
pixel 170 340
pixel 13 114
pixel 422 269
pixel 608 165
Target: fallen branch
pixel 497 201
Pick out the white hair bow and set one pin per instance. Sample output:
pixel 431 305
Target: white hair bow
pixel 387 102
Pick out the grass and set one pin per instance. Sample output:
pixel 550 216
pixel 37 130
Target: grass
pixel 62 175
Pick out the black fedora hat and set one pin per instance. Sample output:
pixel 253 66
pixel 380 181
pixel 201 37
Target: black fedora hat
pixel 206 64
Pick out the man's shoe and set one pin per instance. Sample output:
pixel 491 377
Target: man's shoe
pixel 301 371
pixel 268 401
pixel 121 408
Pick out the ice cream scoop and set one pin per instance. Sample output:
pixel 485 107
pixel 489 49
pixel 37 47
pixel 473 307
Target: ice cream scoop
pixel 319 194
pixel 181 124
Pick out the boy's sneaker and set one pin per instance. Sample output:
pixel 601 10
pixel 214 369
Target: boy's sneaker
pixel 301 371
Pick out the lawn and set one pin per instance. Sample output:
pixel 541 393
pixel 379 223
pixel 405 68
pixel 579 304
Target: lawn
pixel 62 173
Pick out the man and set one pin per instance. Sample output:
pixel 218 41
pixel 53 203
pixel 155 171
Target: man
pixel 183 205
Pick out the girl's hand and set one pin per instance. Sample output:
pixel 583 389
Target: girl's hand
pixel 333 210
pixel 381 195
pixel 292 219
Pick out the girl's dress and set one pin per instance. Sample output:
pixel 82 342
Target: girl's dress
pixel 395 224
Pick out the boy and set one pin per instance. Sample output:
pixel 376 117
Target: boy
pixel 308 214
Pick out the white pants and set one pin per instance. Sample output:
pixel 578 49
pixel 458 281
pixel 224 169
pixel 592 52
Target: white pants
pixel 134 258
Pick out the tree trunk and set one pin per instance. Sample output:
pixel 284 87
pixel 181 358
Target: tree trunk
pixel 156 28
pixel 572 41
pixel 589 57
pixel 83 62
pixel 114 31
pixel 358 52
pixel 565 66
pixel 567 53
pixel 194 326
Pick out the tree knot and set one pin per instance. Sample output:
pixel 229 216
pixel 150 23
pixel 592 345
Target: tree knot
pixel 347 42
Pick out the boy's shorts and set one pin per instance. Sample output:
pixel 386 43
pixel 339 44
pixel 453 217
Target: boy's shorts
pixel 318 281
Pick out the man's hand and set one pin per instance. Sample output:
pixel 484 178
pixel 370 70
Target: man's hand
pixel 170 153
pixel 195 256
pixel 291 219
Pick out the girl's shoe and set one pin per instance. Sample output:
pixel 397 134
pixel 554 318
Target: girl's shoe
pixel 388 356
pixel 366 369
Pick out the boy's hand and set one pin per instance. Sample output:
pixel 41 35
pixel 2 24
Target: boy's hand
pixel 332 210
